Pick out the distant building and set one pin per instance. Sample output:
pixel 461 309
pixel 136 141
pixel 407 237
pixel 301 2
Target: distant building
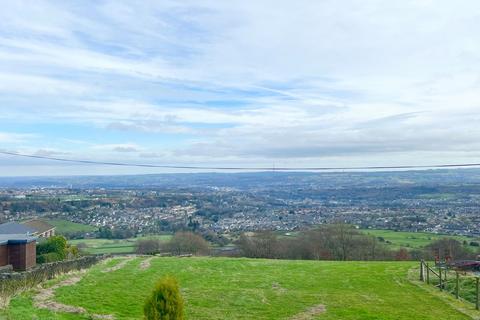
pixel 36 228
pixel 42 229
pixel 15 228
pixel 17 250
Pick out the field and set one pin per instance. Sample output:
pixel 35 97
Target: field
pixel 100 246
pixel 223 288
pixel 402 239
pixel 413 240
pixel 393 239
pixel 64 226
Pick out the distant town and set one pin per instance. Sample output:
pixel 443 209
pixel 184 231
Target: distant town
pixel 437 201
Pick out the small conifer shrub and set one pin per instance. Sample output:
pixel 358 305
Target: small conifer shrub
pixel 165 302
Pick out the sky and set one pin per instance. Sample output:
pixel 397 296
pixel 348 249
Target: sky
pixel 238 83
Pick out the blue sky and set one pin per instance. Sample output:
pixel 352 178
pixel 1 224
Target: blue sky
pixel 229 83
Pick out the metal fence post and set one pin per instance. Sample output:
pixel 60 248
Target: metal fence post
pixel 440 277
pixel 421 270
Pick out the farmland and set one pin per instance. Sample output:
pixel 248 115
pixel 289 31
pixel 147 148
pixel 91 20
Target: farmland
pixel 402 239
pixel 413 240
pixel 223 288
pixel 105 246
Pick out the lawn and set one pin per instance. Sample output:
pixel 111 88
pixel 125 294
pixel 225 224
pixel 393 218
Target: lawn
pixel 223 288
pixel 101 246
pixel 414 240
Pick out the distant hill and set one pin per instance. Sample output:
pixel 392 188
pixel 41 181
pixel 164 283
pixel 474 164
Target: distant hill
pixel 267 180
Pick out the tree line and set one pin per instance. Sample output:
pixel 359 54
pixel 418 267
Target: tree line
pixel 181 243
pixel 343 242
pixel 340 242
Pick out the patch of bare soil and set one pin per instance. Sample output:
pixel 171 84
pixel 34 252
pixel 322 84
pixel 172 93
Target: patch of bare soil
pixel 276 286
pixel 310 313
pixel 103 316
pixel 45 299
pixel 105 261
pixel 146 263
pixel 119 265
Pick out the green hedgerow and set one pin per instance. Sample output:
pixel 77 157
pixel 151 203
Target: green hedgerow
pixel 165 303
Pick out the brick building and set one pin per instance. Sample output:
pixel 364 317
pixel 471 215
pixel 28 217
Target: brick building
pixel 17 250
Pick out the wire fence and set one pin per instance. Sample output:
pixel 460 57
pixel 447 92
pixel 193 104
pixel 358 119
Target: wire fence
pixel 239 168
pixel 462 284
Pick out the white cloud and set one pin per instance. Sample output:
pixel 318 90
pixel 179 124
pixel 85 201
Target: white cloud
pixel 245 81
pixel 23 84
pixel 14 138
pixel 118 147
pixel 48 152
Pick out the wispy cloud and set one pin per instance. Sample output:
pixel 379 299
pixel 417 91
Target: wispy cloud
pixel 15 138
pixel 49 153
pixel 199 81
pixel 121 147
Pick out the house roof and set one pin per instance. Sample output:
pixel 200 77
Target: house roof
pixel 15 239
pixel 15 228
pixel 39 226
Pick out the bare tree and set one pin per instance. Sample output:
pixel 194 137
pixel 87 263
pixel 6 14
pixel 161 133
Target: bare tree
pixel 148 246
pixel 261 245
pixel 448 248
pixel 188 243
pixel 402 255
pixel 327 242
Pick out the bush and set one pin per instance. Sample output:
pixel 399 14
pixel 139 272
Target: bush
pixel 165 303
pixel 49 257
pixel 55 249
pixel 72 252
pixel 55 244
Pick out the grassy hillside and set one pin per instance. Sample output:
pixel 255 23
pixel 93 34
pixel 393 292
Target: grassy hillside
pixel 100 246
pixel 415 240
pixel 222 288
pixel 65 226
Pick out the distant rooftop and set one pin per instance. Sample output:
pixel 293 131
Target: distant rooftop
pixel 15 239
pixel 39 226
pixel 15 229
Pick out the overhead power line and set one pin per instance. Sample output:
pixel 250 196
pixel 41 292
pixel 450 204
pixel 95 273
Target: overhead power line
pixel 143 165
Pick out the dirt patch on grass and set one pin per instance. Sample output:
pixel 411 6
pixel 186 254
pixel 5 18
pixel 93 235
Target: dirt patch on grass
pixel 102 316
pixel 45 299
pixel 119 265
pixel 279 289
pixel 146 263
pixel 310 313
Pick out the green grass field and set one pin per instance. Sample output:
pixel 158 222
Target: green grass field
pixel 223 288
pixel 101 246
pixel 65 226
pixel 414 240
